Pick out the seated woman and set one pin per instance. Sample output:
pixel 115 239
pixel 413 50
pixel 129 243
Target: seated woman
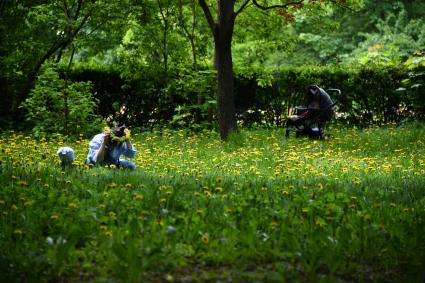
pixel 107 147
pixel 319 104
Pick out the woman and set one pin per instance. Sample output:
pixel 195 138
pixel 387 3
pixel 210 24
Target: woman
pixel 319 100
pixel 107 147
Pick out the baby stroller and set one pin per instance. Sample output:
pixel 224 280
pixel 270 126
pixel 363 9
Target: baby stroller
pixel 309 121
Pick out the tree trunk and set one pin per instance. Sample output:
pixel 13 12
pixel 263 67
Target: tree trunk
pixel 225 93
pixel 224 64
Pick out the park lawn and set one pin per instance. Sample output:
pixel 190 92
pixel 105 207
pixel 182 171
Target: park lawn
pixel 259 207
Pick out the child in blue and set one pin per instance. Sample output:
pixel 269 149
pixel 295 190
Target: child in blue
pixel 106 148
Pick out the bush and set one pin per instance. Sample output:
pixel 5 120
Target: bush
pixel 414 85
pixel 58 106
pixel 369 93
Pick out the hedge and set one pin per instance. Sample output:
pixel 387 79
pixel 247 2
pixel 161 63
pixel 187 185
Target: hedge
pixel 369 94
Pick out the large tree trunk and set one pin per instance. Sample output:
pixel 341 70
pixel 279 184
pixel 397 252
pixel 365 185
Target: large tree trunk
pixel 223 61
pixel 225 93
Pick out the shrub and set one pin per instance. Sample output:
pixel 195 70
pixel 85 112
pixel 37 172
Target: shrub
pixel 58 106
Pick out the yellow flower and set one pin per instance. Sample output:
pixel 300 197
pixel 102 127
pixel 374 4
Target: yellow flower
pixel 102 206
pixel 205 238
pixel 105 194
pixel 139 197
pixel 2 202
pixel 28 203
pixel 218 189
pixel 108 234
pixel 14 207
pixel 18 232
pixel 72 205
pixel 23 183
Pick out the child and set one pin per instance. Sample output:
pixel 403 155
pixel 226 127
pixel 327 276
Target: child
pixel 66 156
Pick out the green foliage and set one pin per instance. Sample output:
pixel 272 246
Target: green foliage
pixel 369 93
pixel 56 105
pixel 414 84
pixel 194 92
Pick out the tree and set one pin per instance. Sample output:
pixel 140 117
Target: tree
pixel 222 30
pixel 36 31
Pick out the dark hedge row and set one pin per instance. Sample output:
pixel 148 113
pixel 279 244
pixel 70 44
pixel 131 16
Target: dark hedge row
pixel 369 95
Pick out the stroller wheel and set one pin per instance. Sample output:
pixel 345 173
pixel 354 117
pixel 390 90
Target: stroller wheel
pixel 316 133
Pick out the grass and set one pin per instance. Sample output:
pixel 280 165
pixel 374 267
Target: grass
pixel 260 207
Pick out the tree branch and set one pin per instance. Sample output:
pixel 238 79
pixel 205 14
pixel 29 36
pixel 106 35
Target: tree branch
pixel 342 6
pixel 286 5
pixel 242 7
pixel 208 15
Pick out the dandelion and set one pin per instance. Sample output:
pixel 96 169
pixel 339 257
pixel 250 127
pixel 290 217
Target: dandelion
pixel 105 194
pixel 54 217
pixel 2 202
pixel 28 203
pixel 23 183
pixel 102 206
pixel 14 207
pixel 139 197
pixel 72 205
pixel 218 189
pixel 108 234
pixel 18 232
pixel 205 238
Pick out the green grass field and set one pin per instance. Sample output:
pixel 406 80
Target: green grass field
pixel 257 208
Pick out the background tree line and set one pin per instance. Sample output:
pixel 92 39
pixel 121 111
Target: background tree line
pixel 159 55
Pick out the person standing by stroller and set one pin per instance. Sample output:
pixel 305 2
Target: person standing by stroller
pixel 107 147
pixel 319 100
